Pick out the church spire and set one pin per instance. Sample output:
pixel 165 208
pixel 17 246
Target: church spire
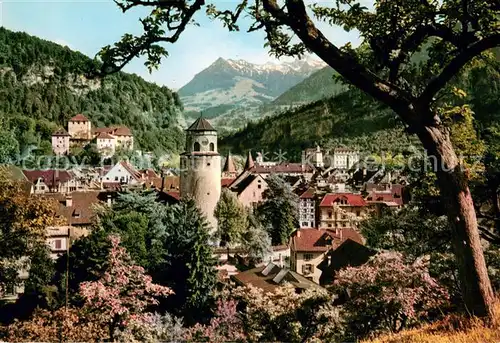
pixel 229 167
pixel 249 162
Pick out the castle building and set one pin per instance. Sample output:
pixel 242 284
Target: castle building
pixel 201 168
pixel 81 133
pixel 60 142
pixel 79 127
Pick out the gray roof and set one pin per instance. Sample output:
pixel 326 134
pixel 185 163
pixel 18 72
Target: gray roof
pixel 201 124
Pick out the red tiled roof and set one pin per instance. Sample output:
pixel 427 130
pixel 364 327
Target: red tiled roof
pixel 104 135
pixel 308 194
pixel 317 239
pixel 80 212
pixel 282 168
pixel 122 131
pixel 51 177
pixel 170 183
pixel 352 199
pixel 225 182
pixel 79 117
pixel 128 167
pixel 175 195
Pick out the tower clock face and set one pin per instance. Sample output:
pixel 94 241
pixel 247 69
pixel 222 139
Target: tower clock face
pixel 204 141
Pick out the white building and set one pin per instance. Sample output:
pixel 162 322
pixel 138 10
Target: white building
pixel 344 158
pixel 60 142
pixel 123 173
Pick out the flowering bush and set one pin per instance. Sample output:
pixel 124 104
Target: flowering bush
pixel 284 315
pixel 61 325
pixel 388 294
pixel 123 292
pixel 151 327
pixel 226 326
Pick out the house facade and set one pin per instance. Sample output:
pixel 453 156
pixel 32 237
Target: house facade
pixel 307 209
pixel 342 210
pixel 81 133
pixel 308 248
pixel 122 173
pixel 60 142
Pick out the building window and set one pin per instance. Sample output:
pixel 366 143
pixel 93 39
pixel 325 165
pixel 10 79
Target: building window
pixel 197 146
pixel 259 186
pixel 208 164
pixel 329 214
pixel 307 269
pixel 304 224
pixel 58 244
pixel 116 178
pixel 212 147
pixel 308 257
pixel 358 213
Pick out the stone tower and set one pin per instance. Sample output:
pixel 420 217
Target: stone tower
pixel 201 168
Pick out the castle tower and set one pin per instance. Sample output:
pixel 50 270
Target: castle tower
pixel 201 168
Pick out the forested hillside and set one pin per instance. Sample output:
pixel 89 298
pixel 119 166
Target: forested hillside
pixel 42 85
pixel 352 118
pixel 319 85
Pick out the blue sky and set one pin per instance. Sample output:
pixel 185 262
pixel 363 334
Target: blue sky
pixel 86 26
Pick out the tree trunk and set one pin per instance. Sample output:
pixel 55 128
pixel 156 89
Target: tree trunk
pixel 457 201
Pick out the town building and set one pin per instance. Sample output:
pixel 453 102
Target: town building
pixel 60 238
pixel 307 209
pixel 271 276
pixel 344 158
pixel 249 188
pixel 60 142
pixel 122 173
pixel 308 248
pixel 53 181
pixel 342 210
pixel 201 168
pixel 81 133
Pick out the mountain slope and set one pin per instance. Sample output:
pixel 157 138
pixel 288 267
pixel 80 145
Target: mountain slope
pixel 236 84
pixel 319 85
pixel 350 118
pixel 42 86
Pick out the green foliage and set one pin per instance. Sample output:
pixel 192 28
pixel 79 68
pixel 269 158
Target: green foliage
pixel 188 266
pixel 278 211
pixel 255 239
pixel 43 85
pixel 350 118
pixel 231 218
pixel 318 86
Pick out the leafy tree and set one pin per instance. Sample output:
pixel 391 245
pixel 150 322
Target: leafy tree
pixel 255 239
pixel 285 315
pixel 23 221
pixel 188 266
pixel 454 33
pixel 278 211
pixel 123 292
pixel 231 218
pixel 386 294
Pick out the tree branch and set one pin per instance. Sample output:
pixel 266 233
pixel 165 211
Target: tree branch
pixel 298 20
pixel 455 65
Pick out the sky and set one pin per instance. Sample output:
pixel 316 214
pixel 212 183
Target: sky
pixel 88 25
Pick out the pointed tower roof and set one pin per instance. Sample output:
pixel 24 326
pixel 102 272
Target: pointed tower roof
pixel 229 165
pixel 249 162
pixel 201 124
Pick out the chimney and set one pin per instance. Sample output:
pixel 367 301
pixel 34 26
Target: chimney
pixel 162 182
pixel 69 201
pixel 108 199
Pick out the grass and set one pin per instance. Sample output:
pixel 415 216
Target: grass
pixel 453 329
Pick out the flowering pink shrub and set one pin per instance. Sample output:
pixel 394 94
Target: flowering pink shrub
pixel 388 294
pixel 226 326
pixel 123 292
